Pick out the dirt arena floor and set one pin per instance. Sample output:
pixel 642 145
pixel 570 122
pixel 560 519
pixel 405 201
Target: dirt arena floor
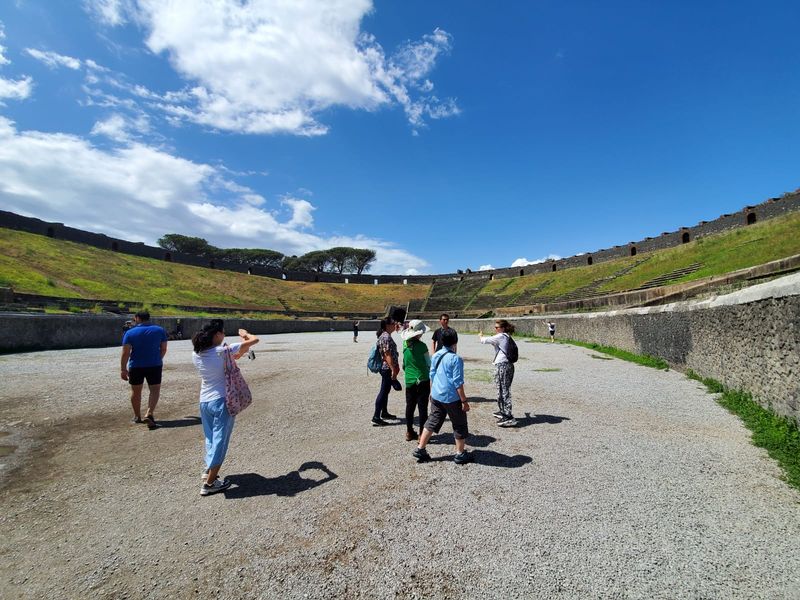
pixel 619 482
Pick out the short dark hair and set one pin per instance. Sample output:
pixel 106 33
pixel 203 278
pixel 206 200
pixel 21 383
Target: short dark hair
pixel 449 337
pixel 444 315
pixel 382 327
pixel 143 315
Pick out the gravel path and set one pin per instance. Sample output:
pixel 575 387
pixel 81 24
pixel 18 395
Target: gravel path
pixel 620 482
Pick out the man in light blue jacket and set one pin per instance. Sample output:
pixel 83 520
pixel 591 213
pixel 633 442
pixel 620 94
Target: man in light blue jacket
pixel 447 400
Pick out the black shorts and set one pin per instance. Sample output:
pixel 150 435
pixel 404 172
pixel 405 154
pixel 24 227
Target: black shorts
pixel 137 375
pixel 439 410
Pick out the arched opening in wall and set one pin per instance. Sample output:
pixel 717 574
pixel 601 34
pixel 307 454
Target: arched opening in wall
pixel 249 270
pixel 751 218
pixel 168 257
pixel 461 279
pixel 554 267
pixel 491 277
pixel 375 282
pixel 316 278
pixel 521 272
pixel 51 232
pixel 685 237
pixel 283 276
pixel 211 264
pixel 346 280
pixel 114 247
pixel 633 250
pixel 589 261
pixel 405 281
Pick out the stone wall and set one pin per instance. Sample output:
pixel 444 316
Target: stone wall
pixel 21 333
pixel 748 340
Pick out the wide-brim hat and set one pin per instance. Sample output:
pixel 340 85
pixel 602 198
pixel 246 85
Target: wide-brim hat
pixel 415 329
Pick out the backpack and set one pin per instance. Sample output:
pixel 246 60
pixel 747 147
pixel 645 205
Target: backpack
pixel 375 360
pixel 511 351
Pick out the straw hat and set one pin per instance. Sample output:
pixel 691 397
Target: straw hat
pixel 415 329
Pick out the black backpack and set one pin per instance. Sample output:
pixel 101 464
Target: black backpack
pixel 510 350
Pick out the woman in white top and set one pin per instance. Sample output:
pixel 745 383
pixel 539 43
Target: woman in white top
pixel 503 371
pixel 208 357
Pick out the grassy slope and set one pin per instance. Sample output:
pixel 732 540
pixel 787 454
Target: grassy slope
pixel 37 264
pixel 721 253
pixel 40 265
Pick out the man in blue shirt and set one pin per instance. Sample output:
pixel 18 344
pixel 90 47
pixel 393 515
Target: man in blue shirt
pixel 143 348
pixel 447 399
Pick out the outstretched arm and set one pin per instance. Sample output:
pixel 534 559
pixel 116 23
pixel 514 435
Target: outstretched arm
pixel 248 340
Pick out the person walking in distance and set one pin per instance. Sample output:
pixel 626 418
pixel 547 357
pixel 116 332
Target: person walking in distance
pixel 551 329
pixel 416 366
pixel 447 400
pixel 389 371
pixel 143 348
pixel 444 325
pixel 503 370
pixel 355 331
pixel 209 359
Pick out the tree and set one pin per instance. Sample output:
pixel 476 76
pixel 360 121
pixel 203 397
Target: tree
pixel 340 258
pixel 260 257
pixel 174 242
pixel 362 260
pixel 316 260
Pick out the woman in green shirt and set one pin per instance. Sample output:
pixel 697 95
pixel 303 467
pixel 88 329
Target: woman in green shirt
pixel 417 366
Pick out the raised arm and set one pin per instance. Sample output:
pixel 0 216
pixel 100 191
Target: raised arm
pixel 248 340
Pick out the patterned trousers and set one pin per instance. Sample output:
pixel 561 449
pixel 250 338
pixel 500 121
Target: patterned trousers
pixel 503 376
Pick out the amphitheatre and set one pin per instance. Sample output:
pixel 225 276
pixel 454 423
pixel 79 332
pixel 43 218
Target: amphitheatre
pixel 633 472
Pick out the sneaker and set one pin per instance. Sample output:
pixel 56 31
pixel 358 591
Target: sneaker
pixel 462 458
pixel 219 485
pixel 386 415
pixel 421 455
pixel 411 435
pixel 251 355
pixel 136 420
pixel 507 422
pixel 150 422
pixel 498 414
pixel 377 422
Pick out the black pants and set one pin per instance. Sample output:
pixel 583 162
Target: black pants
pixel 417 398
pixel 382 400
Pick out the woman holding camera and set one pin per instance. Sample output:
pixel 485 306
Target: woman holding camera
pixel 209 358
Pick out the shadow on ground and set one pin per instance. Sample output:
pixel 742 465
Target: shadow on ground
pixel 476 441
pixel 539 420
pixel 291 484
pixel 490 458
pixel 184 422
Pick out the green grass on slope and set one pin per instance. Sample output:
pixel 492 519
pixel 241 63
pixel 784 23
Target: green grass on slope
pixel 37 264
pixel 721 253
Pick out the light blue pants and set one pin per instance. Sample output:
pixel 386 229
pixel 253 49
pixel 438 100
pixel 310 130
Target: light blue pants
pixel 217 427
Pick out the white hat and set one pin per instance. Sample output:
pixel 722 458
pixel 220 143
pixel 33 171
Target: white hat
pixel 415 329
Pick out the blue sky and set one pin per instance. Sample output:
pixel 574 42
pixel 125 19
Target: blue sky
pixel 445 135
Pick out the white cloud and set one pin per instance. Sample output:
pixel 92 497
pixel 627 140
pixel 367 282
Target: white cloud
pixel 16 89
pixel 121 128
pixel 139 193
pixel 269 66
pixel 521 262
pixel 486 268
pixel 53 59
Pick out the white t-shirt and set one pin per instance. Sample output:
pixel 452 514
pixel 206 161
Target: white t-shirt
pixel 500 356
pixel 211 366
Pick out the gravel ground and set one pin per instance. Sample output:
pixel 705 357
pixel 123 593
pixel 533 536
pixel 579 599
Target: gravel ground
pixel 620 482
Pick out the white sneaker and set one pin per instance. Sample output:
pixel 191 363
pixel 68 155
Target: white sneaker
pixel 219 485
pixel 507 422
